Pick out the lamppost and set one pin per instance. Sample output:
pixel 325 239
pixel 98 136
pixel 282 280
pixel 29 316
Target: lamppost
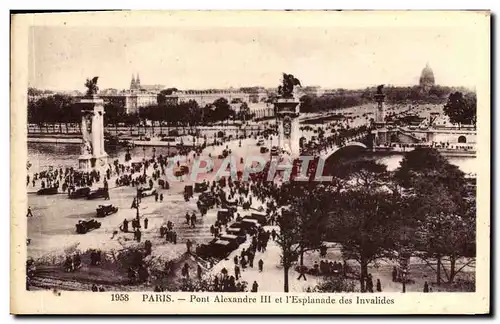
pixel 154 152
pixel 144 152
pixel 137 200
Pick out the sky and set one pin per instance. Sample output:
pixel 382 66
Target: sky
pixel 61 58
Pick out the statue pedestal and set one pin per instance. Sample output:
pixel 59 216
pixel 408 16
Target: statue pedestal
pixel 287 110
pixel 94 156
pixel 88 162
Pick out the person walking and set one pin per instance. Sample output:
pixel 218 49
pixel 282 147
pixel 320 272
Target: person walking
pixel 426 287
pixel 146 221
pixel 261 265
pixel 237 272
pixel 255 287
pixel 379 286
pixel 302 272
pixel 30 213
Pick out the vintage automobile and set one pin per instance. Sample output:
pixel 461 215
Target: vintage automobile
pixel 260 142
pixel 224 215
pixel 200 187
pixel 207 199
pixel 238 231
pixel 238 239
pixel 47 191
pixel 98 193
pixel 148 192
pixel 260 217
pixel 80 193
pixel 263 149
pixel 105 210
pixel 274 151
pixel 248 223
pixel 85 226
pixel 216 249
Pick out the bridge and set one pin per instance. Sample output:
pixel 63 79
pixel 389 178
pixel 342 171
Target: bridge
pixel 330 145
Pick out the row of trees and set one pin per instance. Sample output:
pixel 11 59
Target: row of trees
pixel 343 98
pixel 418 210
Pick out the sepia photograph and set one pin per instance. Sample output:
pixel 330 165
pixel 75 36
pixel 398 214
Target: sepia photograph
pixel 267 157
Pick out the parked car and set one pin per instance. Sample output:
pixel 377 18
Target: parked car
pixel 200 187
pixel 264 149
pixel 260 142
pixel 47 191
pixel 98 193
pixel 85 226
pixel 80 193
pixel 274 151
pixel 105 210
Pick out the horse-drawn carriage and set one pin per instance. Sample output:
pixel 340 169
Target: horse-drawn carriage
pixel 105 210
pixel 85 226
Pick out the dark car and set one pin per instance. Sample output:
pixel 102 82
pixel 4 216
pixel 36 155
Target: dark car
pixel 163 183
pixel 200 187
pixel 105 210
pixel 47 191
pixel 260 217
pixel 274 151
pixel 80 193
pixel 98 193
pixel 264 150
pixel 85 226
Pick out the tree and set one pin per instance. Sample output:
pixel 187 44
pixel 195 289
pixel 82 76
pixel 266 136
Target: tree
pixel 222 109
pixel 447 237
pixel 288 239
pixel 366 224
pixel 443 220
pixel 461 109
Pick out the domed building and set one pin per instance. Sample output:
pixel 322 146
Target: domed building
pixel 427 78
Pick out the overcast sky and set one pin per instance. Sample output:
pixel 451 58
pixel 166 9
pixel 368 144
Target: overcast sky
pixel 61 58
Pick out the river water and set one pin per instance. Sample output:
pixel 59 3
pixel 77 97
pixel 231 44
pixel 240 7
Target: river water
pixel 43 155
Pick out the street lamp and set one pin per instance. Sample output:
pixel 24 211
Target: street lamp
pixel 144 152
pixel 154 152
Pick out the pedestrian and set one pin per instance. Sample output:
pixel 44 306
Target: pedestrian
pixel 255 286
pixel 156 197
pixel 394 273
pixel 237 272
pixel 273 234
pixel 302 272
pixel 235 260
pixel 188 246
pixel 161 197
pixel 198 270
pixel 261 265
pixel 369 283
pixel 379 286
pixel 426 287
pixel 125 225
pixel 138 234
pixel 174 237
pixel 29 214
pixel 187 218
pixel 146 221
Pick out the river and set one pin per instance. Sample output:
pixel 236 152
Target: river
pixel 43 155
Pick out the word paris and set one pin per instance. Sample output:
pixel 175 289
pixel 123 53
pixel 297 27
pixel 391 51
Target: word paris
pixel 251 165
